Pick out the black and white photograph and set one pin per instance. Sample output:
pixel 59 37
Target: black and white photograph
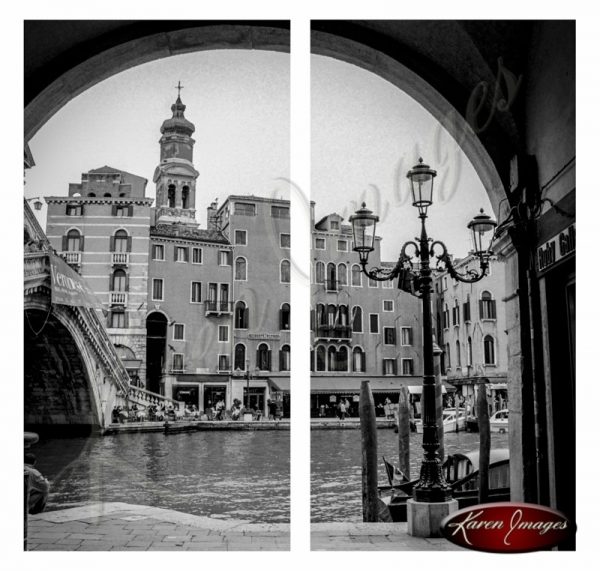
pixel 157 285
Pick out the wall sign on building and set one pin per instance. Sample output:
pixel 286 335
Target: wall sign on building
pixel 555 249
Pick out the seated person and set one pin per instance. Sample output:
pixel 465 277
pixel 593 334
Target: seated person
pixel 39 487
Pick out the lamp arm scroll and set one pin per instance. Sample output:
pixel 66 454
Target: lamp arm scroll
pixel 386 274
pixel 468 276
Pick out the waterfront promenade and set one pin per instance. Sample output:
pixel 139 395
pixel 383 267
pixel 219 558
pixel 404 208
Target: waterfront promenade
pixel 127 527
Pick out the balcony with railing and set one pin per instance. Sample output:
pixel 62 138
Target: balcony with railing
pixel 72 258
pixel 333 333
pixel 218 307
pixel 120 258
pixel 118 298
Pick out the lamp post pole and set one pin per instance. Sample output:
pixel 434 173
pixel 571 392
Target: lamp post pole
pixel 431 488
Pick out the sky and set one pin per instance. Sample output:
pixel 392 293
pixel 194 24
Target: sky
pixel 239 101
pixel 365 135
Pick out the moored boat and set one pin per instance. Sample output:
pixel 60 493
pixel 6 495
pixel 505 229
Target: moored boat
pixel 452 421
pixel 462 473
pixel 499 421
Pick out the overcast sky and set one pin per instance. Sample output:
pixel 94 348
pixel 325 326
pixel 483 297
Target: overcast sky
pixel 238 100
pixel 366 134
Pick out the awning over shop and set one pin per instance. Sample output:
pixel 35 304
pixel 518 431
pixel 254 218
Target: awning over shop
pixel 418 389
pixel 338 385
pixel 195 378
pixel 498 386
pixel 280 385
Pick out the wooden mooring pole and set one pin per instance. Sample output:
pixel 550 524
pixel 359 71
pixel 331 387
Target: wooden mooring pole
pixel 368 430
pixel 404 433
pixel 484 442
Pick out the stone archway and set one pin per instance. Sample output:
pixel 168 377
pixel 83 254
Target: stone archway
pixel 84 53
pixel 60 382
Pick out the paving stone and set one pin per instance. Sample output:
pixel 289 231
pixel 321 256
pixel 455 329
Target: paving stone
pixel 51 547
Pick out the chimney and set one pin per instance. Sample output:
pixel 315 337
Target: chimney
pixel 211 216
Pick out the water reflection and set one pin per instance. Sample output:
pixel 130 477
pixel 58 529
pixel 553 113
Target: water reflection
pixel 227 475
pixel 336 467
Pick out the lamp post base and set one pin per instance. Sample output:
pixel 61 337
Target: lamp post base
pixel 424 518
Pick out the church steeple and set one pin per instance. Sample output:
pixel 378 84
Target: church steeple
pixel 175 176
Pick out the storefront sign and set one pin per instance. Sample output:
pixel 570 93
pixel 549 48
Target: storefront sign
pixel 68 287
pixel 264 336
pixel 557 248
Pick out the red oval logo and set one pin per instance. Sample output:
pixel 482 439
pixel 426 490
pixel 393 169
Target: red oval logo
pixel 507 527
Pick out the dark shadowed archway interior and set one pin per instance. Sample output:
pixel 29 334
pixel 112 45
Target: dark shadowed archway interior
pixel 156 332
pixel 57 390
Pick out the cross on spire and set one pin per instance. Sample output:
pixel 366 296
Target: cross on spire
pixel 179 87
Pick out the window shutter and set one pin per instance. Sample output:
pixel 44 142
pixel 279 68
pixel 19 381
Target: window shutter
pixel 269 360
pixel 410 336
pixel 394 336
pixel 127 282
pixel 383 366
pixel 363 362
pixel 82 209
pixel 109 319
pixel 280 360
pixel 395 366
pixel 129 243
pixel 112 243
pixel 65 243
pixel 480 309
pixel 493 307
pixel 113 210
pixel 246 314
pixel 126 319
pixel 313 318
pixel 111 282
pixel 281 319
pixel 130 210
pixel 258 363
pixel 175 253
pixel 81 240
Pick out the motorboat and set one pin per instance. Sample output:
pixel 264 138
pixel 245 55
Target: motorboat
pixel 461 471
pixel 453 421
pixel 499 421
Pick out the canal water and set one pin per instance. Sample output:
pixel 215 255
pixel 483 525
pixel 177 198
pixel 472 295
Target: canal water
pixel 225 475
pixel 336 494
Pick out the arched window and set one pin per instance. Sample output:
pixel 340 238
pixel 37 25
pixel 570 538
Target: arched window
pixel 357 319
pixel 241 316
pixel 342 271
pixel 446 316
pixel 91 194
pixel 171 196
pixel 331 277
pixel 321 315
pixel 343 315
pixel 358 360
pixel 331 359
pixel 263 357
pixel 456 313
pixel 121 241
pixel 107 195
pixel 331 315
pixel 448 360
pixel 239 357
pixel 73 241
pixel 458 353
pixel 469 352
pixel 284 358
pixel 487 306
pixel 185 197
pixel 284 272
pixel 489 356
pixel 240 269
pixel 320 272
pixel 119 281
pixel 342 358
pixel 312 360
pixel 356 276
pixel 321 358
pixel 284 317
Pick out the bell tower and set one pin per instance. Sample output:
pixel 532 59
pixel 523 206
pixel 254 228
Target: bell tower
pixel 175 176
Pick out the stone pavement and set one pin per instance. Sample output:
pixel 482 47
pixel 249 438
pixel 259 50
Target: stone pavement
pixel 128 527
pixel 372 537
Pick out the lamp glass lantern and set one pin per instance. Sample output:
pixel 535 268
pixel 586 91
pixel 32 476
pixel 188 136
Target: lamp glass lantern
pixel 363 229
pixel 421 184
pixel 482 232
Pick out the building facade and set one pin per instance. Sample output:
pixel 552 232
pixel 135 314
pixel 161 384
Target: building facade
pixel 361 329
pixel 471 329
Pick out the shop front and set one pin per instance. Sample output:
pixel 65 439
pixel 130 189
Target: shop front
pixel 280 394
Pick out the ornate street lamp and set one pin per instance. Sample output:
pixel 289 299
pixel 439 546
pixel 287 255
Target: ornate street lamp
pixel 432 486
